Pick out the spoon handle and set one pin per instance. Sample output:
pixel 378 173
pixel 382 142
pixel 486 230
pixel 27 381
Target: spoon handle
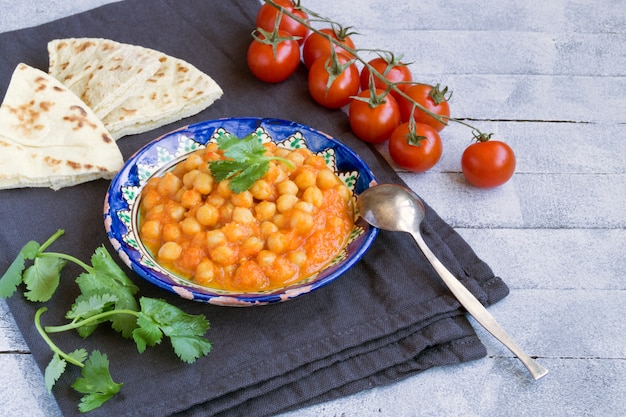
pixel 478 311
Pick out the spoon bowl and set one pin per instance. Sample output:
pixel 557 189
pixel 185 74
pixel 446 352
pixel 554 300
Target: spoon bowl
pixel 398 209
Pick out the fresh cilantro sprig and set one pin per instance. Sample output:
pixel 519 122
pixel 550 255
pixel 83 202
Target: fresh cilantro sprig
pixel 247 161
pixel 107 295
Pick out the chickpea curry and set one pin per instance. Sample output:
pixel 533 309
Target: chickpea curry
pixel 288 225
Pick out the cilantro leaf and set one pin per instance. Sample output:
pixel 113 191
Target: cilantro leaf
pixel 108 277
pixel 54 370
pixel 13 275
pixel 247 161
pixel 96 382
pixel 42 278
pixel 184 330
pixel 86 306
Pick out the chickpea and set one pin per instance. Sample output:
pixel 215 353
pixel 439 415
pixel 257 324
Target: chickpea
pixel 226 212
pixel 223 189
pixel 150 199
pixel 297 257
pixel 315 161
pixel 170 251
pixel 287 187
pixel 190 226
pixel 251 247
pixel 286 202
pixel 215 200
pixel 265 210
pixel 171 232
pixel 267 228
pixel 223 255
pixel 345 193
pixel 193 161
pixel 297 159
pixel 304 206
pixel 190 198
pixel 207 215
pixel 169 184
pixel 203 183
pixel 302 222
pixel 236 232
pixel 266 258
pixel 155 213
pixel 261 190
pixel 326 179
pixel 151 229
pixel 243 199
pixel 281 152
pixel 305 179
pixel 205 271
pixel 314 196
pixel 215 238
pixel 243 215
pixel 189 177
pixel 175 211
pixel 280 221
pixel 278 242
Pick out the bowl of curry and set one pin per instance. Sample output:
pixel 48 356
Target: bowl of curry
pixel 214 237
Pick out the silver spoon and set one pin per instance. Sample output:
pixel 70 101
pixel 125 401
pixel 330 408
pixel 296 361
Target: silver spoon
pixel 396 208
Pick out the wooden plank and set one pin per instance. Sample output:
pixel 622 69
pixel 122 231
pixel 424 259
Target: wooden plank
pixel 553 259
pixel 578 201
pixel 590 16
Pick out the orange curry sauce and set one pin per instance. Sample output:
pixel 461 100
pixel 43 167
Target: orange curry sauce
pixel 289 225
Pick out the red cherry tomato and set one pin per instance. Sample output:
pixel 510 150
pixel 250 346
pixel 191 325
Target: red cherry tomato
pixel 269 68
pixel 429 97
pixel 395 72
pixel 317 45
pixel 344 85
pixel 267 15
pixel 417 150
pixel 374 120
pixel 488 164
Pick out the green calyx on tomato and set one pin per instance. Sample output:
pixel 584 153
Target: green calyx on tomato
pixel 416 147
pixel 320 42
pixel 373 115
pixel 273 38
pixel 487 163
pixel 272 14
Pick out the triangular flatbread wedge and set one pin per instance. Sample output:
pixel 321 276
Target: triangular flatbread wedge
pixel 174 91
pixel 101 72
pixel 49 137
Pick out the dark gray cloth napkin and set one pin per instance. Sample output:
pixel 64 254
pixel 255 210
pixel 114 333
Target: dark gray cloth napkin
pixel 386 319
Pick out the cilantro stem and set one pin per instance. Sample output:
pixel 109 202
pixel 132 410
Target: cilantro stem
pixel 68 258
pixel 49 341
pixel 84 322
pixel 51 240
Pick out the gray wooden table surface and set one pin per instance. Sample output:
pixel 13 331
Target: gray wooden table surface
pixel 549 78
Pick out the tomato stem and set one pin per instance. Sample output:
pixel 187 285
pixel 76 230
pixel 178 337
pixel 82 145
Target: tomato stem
pixel 354 52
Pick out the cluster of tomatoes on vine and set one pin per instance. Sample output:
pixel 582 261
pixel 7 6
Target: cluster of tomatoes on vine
pixel 385 104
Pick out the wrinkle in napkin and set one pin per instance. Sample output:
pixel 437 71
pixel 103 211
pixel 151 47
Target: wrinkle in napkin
pixel 386 319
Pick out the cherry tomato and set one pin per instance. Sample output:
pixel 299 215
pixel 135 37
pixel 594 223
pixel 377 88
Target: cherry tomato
pixel 267 15
pixel 269 68
pixel 373 120
pixel 345 81
pixel 416 147
pixel 395 72
pixel 429 97
pixel 317 45
pixel 488 163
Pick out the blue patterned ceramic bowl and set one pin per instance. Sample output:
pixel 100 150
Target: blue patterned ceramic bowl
pixel 122 203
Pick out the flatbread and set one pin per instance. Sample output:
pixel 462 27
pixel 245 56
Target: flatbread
pixel 174 91
pixel 49 137
pixel 103 73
